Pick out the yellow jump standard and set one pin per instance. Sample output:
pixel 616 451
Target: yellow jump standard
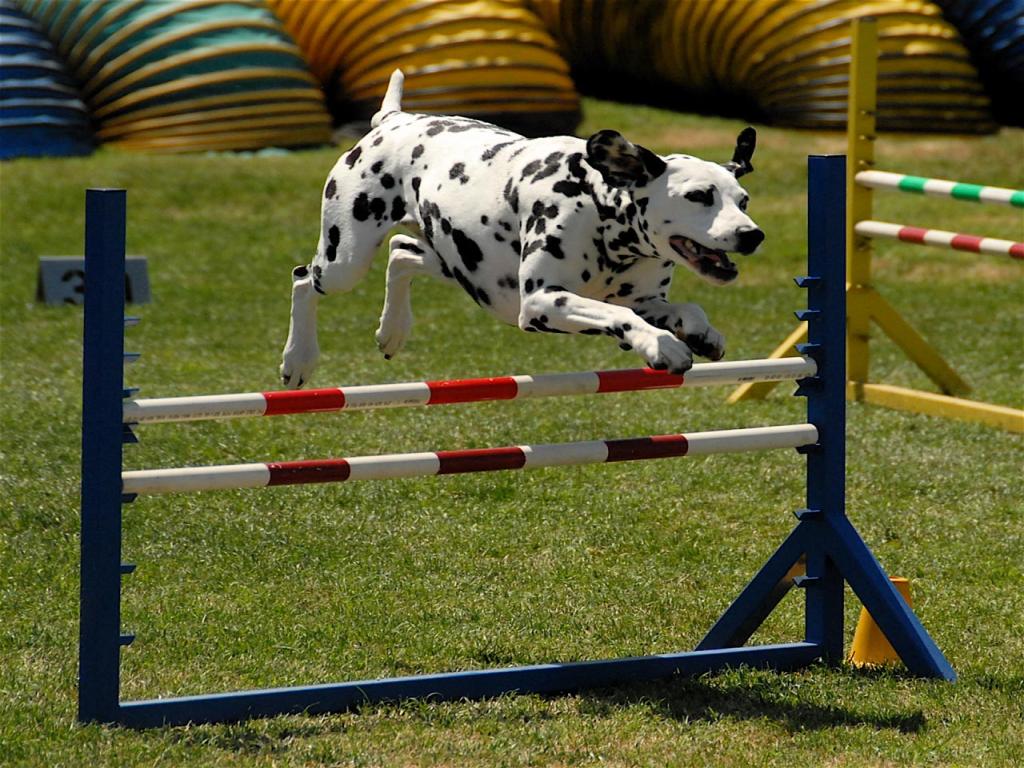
pixel 865 305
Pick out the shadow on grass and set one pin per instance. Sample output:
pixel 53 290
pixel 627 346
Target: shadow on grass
pixel 712 700
pixel 766 697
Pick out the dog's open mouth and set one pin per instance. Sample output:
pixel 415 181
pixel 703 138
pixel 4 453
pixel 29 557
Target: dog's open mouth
pixel 712 264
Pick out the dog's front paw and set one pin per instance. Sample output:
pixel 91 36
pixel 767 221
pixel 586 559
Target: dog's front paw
pixel 297 365
pixel 710 344
pixel 393 331
pixel 663 351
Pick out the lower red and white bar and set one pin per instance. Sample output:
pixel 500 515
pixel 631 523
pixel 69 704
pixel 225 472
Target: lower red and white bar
pixel 941 238
pixel 188 479
pixel 362 397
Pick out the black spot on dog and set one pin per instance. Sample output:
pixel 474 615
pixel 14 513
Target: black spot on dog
pixel 378 140
pixel 482 296
pixel 484 220
pixel 498 237
pixel 398 208
pixel 625 289
pixel 516 246
pixel 446 226
pixel 591 332
pixel 458 171
pixel 511 195
pixel 541 324
pixel 469 251
pixel 334 235
pixel 411 247
pixel 378 207
pixel 568 188
pixel 561 300
pixel 553 245
pixel 505 225
pixel 509 281
pixel 417 151
pixel 353 155
pixel 490 153
pixel 361 207
pixel 387 181
pixel 331 188
pixel 300 272
pixel 528 285
pixel 416 180
pixel 529 169
pixel 585 276
pixel 377 166
pixel 666 281
pixel 534 245
pixel 551 166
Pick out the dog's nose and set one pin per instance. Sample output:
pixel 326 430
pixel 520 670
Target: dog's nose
pixel 747 239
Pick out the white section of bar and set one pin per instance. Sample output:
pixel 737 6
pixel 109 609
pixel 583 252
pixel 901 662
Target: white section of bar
pixel 937 237
pixel 198 408
pixel 393 465
pixel 187 479
pixel 365 396
pixel 936 187
pixel 557 384
pixel 752 439
pixel 565 454
pixel 739 371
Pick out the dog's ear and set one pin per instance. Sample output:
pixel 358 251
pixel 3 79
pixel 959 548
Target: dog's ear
pixel 621 162
pixel 745 143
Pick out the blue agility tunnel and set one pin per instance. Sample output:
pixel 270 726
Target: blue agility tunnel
pixel 40 109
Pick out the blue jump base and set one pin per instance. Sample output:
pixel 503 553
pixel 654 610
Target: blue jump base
pixel 823 539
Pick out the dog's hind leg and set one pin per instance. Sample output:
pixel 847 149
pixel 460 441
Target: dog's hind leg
pixel 409 257
pixel 343 257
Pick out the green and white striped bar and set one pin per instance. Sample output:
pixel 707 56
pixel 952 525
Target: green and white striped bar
pixel 977 193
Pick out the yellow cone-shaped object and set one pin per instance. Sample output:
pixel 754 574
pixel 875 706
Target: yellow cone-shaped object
pixel 870 647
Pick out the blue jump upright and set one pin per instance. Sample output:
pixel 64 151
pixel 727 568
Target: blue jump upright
pixel 823 552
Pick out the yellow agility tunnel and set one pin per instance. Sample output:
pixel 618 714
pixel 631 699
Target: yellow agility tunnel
pixel 784 62
pixel 489 59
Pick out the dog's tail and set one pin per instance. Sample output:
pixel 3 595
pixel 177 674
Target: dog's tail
pixel 392 99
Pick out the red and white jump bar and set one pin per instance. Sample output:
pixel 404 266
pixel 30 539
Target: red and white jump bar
pixel 362 397
pixel 941 238
pixel 189 479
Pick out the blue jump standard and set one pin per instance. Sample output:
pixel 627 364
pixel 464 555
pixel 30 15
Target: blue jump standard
pixel 823 540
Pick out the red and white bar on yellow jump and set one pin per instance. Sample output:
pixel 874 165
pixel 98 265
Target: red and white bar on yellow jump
pixel 225 477
pixel 938 237
pixel 363 397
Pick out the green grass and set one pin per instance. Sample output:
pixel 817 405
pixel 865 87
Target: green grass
pixel 292 586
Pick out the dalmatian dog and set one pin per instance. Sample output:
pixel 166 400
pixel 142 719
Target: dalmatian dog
pixel 555 235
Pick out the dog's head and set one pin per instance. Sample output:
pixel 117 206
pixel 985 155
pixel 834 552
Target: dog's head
pixel 695 210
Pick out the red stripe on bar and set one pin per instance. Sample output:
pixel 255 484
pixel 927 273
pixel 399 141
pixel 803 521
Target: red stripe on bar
pixel 481 460
pixel 912 234
pixel 300 472
pixel 472 390
pixel 636 379
pixel 657 447
pixel 966 243
pixel 1017 250
pixel 298 401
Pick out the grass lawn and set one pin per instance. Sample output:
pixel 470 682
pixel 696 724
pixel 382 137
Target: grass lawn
pixel 291 586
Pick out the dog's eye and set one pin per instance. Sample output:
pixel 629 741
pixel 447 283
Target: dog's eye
pixel 743 203
pixel 702 196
